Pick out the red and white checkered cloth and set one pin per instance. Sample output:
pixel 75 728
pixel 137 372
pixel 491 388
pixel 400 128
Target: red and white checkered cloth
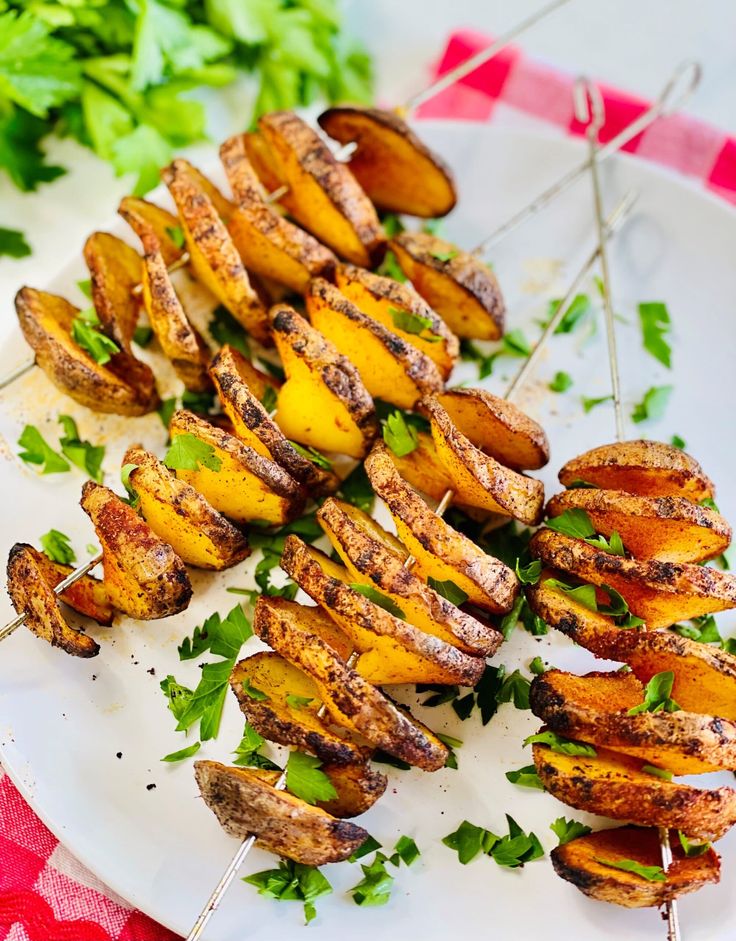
pixel 45 894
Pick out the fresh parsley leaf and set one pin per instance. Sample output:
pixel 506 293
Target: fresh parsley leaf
pixel 565 746
pixel 469 840
pixel 655 322
pixel 392 224
pixel 514 688
pixel 224 328
pixel 537 666
pixel 248 752
pixel 57 547
pixel 178 696
pixel 87 335
pixel 510 851
pixel 574 522
pixel 400 436
pixel 406 851
pixel 305 780
pixel 20 152
pixel 575 315
pixel 452 743
pixel 125 471
pixel 269 399
pixel 85 286
pixel 449 590
pixel 657 695
pixel 165 411
pixel 692 849
pixel 566 830
pixel 650 873
pixel 525 777
pixel 356 489
pixel 183 753
pixel 614 545
pixel 292 882
pixel 652 407
pixel 176 234
pixel 413 323
pixel 528 574
pixel 383 601
pixel 13 244
pixel 390 268
pixel 590 403
pixel 658 772
pixel 250 690
pixel 703 629
pixel 370 846
pixel 142 336
pixel 375 887
pixel 383 758
pixel 187 452
pixel 86 456
pixel 313 455
pixel 432 226
pixel 677 442
pixel 199 402
pixel 561 382
pixel 586 596
pixel 36 450
pixel 298 702
pixel 447 255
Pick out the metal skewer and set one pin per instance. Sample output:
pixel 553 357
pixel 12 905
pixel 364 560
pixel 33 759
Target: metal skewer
pixel 589 108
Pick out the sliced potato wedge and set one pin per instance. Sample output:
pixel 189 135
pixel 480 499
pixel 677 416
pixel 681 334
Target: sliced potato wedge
pixel 423 468
pixel 391 649
pixel 46 322
pixel 244 803
pixel 31 593
pixel 583 863
pixel 242 389
pixel 662 593
pixel 398 172
pixel 323 195
pixel 402 311
pixel 115 269
pixel 463 290
pixel 247 485
pixel 323 402
pixel 351 701
pixel 391 368
pixel 479 480
pixel 358 787
pixel 87 594
pixel 646 468
pixel 140 214
pixel 441 552
pixel 214 258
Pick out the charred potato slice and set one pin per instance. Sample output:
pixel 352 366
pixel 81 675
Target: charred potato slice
pixel 441 552
pixel 391 649
pixel 30 593
pixel 323 402
pixel 180 514
pixel 370 556
pixel 144 577
pixel 323 195
pixel 242 388
pixel 46 322
pixel 479 480
pixel 594 708
pixel 214 257
pixel 247 485
pixel 140 214
pixel 463 291
pixel 669 529
pixel 579 862
pixel 613 785
pixel 398 172
pixel 115 270
pixel 358 787
pixel 87 594
pixel 351 701
pixel 391 368
pixel 268 243
pixel 646 468
pixel 662 593
pixel 392 303
pixel 244 804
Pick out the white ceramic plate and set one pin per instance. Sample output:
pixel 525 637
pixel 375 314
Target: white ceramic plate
pixel 64 720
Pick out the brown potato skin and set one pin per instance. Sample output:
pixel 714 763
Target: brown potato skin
pixel 577 862
pixel 244 803
pixel 463 291
pixel 30 593
pixel 87 594
pixel 143 575
pixel 139 213
pixel 398 172
pixel 646 468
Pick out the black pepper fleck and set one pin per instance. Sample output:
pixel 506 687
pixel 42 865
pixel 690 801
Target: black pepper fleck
pixel 150 787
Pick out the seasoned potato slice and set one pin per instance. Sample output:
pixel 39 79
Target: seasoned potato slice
pixel 244 804
pixel 594 708
pixel 115 270
pixel 323 402
pixel 144 577
pixel 662 593
pixel 140 214
pixel 214 257
pixel 398 172
pixel 669 529
pixel 391 649
pixel 463 290
pixel 478 480
pixel 351 701
pixel 497 427
pixel 391 368
pixel 323 195
pixel 87 594
pixel 392 303
pixel 247 486
pixel 180 514
pixel 423 469
pixel 369 556
pixel 579 862
pixel 441 552
pixel 358 787
pixel 46 322
pixel 268 243
pixel 242 388
pixel 30 592
pixel 647 468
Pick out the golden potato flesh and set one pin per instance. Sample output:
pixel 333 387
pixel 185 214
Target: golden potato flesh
pixel 140 214
pixel 87 594
pixel 357 787
pixel 115 270
pixel 351 701
pixel 391 649
pixel 30 593
pixel 245 804
pixel 423 469
pixel 401 310
pixel 463 290
pixel 144 577
pixel 582 862
pixel 594 708
pixel 613 785
pixel 479 480
pixel 662 593
pixel 646 468
pixel 398 172
pixel 269 244
pixel 441 552
pixel 391 368
pixel 323 402
pixel 46 322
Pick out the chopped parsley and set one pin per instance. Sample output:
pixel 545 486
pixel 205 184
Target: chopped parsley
pixel 87 335
pixel 57 547
pixel 292 882
pixel 305 780
pixel 248 751
pixel 558 743
pixel 36 450
pixel 652 407
pixel 654 319
pixel 511 851
pixel 400 436
pixel 313 455
pixel 650 873
pixel 356 489
pixel 183 753
pixel 449 590
pixel 88 457
pixel 566 830
pixel 561 382
pixel 383 601
pixel 412 323
pixel 525 777
pixel 590 403
pixel 657 695
pixel 187 452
